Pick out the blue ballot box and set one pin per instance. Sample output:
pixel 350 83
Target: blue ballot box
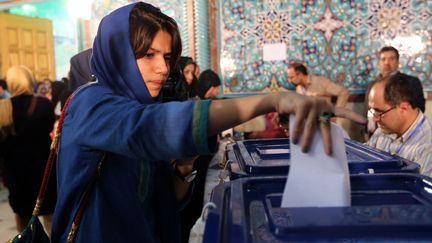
pixel 271 157
pixel 385 208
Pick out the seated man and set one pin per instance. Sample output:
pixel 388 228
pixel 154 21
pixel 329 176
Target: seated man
pixel 388 64
pixel 403 129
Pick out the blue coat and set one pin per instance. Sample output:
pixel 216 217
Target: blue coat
pixel 133 199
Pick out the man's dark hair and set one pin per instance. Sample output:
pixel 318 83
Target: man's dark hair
pixel 399 88
pixel 145 21
pixel 387 49
pixel 298 68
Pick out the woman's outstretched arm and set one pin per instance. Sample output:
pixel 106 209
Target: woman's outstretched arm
pixel 224 114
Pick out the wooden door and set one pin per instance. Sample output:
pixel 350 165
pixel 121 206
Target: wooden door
pixel 27 41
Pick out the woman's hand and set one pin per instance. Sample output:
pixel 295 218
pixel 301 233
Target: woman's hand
pixel 307 112
pixel 227 113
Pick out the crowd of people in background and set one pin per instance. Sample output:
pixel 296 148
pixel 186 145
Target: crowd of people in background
pixel 26 121
pixel 29 113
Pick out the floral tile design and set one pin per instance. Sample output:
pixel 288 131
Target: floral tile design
pixel 337 39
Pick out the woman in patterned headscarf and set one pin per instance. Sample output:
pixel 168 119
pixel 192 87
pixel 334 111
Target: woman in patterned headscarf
pixel 28 120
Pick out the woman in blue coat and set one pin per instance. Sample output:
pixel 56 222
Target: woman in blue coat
pixel 120 121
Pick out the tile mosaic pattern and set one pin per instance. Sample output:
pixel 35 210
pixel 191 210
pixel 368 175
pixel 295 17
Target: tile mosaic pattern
pixel 176 9
pixel 202 56
pixel 338 39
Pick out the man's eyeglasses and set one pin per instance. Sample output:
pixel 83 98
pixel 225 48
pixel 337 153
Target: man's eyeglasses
pixel 378 114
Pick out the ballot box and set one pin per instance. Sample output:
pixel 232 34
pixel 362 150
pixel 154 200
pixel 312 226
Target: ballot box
pixel 272 157
pixel 393 207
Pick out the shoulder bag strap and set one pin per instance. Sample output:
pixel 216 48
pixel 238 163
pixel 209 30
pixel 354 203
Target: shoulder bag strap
pixel 42 190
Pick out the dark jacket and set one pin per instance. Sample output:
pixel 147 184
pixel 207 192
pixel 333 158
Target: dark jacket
pixel 80 72
pixel 26 154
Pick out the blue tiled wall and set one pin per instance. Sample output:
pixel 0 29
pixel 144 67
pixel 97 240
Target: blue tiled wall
pixel 173 8
pixel 202 34
pixel 338 39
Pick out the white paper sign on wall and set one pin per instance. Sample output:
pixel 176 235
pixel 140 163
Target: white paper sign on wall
pixel 274 52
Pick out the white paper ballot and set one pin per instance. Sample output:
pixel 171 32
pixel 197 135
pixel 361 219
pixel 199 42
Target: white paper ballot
pixel 316 179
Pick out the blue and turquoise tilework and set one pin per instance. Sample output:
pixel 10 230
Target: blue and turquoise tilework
pixel 338 39
pixel 176 9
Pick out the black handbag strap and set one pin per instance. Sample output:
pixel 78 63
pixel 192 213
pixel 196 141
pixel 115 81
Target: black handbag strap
pixel 49 165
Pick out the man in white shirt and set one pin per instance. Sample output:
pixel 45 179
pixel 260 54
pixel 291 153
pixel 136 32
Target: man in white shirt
pixel 402 127
pixel 315 85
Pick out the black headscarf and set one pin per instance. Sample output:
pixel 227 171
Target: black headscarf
pixel 206 80
pixel 176 88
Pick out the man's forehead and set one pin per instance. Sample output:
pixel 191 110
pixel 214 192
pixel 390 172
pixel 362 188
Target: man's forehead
pixel 387 54
pixel 377 91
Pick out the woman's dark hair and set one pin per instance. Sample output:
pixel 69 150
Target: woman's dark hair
pixel 57 88
pixel 176 88
pixel 145 21
pixel 184 61
pixel 206 80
